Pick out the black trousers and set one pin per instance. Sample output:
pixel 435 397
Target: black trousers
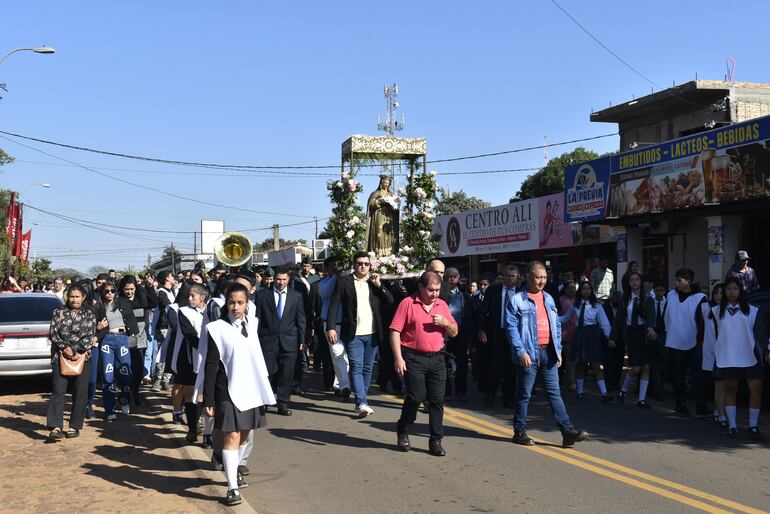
pixel 386 372
pixel 613 364
pixel 424 380
pixel 280 364
pixel 458 347
pixel 137 368
pixel 323 356
pixel 499 368
pixel 55 415
pixel 681 361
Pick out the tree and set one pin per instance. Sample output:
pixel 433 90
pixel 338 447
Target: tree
pixel 93 271
pixel 550 179
pixel 267 244
pixel 66 273
pixel 452 203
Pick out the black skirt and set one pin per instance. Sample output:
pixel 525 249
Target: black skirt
pixel 184 369
pixel 751 373
pixel 228 418
pixel 588 347
pixel 640 352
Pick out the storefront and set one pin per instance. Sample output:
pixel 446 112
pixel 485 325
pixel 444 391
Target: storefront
pixel 692 202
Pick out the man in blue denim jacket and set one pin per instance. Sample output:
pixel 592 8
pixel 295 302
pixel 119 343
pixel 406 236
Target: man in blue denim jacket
pixel 534 332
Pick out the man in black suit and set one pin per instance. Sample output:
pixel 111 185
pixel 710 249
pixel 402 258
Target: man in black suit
pixel 281 313
pixel 361 297
pixel 494 346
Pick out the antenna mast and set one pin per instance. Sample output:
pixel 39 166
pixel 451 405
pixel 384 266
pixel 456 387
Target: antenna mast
pixel 391 124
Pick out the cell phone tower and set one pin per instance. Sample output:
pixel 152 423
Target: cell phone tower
pixel 391 125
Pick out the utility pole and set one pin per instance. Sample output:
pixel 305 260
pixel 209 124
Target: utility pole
pixel 173 259
pixel 195 245
pixel 391 125
pixel 276 237
pixel 545 150
pixel 316 226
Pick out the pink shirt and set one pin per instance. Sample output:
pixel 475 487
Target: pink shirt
pixel 416 325
pixel 543 325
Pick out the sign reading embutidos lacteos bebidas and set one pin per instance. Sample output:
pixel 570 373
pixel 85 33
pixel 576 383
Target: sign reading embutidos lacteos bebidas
pixel 727 164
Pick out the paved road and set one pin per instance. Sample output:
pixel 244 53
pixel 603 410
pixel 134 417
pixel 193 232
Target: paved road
pixel 324 459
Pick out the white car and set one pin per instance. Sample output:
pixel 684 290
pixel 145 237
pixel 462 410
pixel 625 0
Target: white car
pixel 25 319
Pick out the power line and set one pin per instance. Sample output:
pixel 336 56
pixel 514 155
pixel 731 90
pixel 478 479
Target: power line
pixel 237 167
pixel 149 188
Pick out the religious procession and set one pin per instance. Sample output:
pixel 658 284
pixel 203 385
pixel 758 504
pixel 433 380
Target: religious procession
pixel 583 331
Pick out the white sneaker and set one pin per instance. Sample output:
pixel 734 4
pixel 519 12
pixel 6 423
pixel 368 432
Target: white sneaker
pixel 125 409
pixel 112 417
pixel 364 410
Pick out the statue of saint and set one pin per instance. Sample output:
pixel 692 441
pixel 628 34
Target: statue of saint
pixel 381 221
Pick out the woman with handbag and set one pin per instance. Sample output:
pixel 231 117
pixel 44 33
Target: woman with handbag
pixel 72 334
pixel 113 349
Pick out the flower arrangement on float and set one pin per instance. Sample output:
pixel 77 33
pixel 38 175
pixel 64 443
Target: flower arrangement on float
pixel 417 243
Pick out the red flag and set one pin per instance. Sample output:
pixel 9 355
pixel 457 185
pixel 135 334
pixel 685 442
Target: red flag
pixel 17 234
pixel 25 242
pixel 10 220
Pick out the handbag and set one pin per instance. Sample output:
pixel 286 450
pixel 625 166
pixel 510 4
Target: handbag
pixel 68 368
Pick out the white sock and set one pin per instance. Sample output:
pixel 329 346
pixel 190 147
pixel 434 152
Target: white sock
pixel 627 383
pixel 716 413
pixel 730 413
pixel 721 418
pixel 208 425
pixel 241 451
pixel 602 386
pixel 753 418
pixel 643 389
pixel 581 385
pixel 174 411
pixel 230 461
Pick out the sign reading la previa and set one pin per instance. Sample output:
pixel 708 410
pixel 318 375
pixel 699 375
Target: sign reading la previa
pixel 726 164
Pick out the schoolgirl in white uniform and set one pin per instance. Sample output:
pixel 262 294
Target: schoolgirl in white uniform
pixel 587 348
pixel 738 354
pixel 236 383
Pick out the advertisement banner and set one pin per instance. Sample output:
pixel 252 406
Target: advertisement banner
pixel 554 232
pixel 25 242
pixel 622 248
pixel 585 190
pixel 11 211
pixel 716 244
pixel 511 227
pixel 17 232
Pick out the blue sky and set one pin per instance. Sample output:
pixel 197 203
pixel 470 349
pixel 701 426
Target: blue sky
pixel 285 83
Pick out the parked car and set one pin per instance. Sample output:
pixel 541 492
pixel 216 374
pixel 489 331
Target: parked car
pixel 24 322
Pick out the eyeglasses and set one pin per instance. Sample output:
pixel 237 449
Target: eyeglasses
pixel 109 291
pixel 361 263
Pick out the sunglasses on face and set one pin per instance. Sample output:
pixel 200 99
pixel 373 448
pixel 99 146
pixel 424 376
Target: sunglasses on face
pixel 363 263
pixel 109 291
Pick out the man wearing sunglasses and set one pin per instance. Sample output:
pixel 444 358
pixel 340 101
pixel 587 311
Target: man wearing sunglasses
pixel 361 296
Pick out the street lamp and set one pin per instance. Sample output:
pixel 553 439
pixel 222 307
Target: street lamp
pixel 44 185
pixel 38 50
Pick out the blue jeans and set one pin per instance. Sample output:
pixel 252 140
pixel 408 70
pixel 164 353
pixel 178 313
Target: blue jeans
pixel 547 368
pixel 116 369
pixel 150 356
pixel 362 351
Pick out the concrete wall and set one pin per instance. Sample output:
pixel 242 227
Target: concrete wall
pixel 688 248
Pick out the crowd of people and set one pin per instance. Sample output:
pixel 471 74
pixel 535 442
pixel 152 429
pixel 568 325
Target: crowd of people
pixel 229 344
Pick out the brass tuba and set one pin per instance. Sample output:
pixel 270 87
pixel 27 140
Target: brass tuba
pixel 233 249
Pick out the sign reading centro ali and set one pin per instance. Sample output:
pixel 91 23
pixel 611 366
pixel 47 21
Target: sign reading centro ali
pixel 505 228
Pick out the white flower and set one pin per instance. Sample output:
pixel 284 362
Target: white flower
pixel 352 185
pixel 350 233
pixel 345 174
pixel 339 183
pixel 400 269
pixel 401 191
pixel 372 255
pixel 433 173
pixel 420 193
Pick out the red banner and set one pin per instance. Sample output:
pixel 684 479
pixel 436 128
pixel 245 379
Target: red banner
pixel 17 234
pixel 25 242
pixel 11 222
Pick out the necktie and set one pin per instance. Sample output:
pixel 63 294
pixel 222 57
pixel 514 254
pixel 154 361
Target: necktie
pixel 635 312
pixel 582 316
pixel 732 310
pixel 243 329
pixel 280 305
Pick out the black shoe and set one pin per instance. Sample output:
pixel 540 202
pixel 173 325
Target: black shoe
pixel 191 437
pixel 733 433
pixel 402 442
pixel 207 442
pixel 243 470
pixel 581 396
pixel 297 390
pixel 755 435
pixel 176 417
pixel 572 436
pixel 435 448
pixel 682 410
pixel 72 433
pixel 345 393
pixel 702 411
pixel 621 397
pixel 283 410
pixel 137 398
pixel 241 482
pixel 89 412
pixel 642 404
pixel 55 435
pixel 523 439
pixel 606 398
pixel 233 498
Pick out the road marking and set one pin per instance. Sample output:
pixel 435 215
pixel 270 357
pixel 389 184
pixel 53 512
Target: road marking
pixel 592 463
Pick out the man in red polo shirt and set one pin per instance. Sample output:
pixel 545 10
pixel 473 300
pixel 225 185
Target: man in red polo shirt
pixel 417 338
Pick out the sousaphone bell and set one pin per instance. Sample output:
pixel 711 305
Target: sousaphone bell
pixel 233 249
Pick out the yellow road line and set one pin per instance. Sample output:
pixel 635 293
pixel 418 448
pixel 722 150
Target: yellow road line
pixel 571 456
